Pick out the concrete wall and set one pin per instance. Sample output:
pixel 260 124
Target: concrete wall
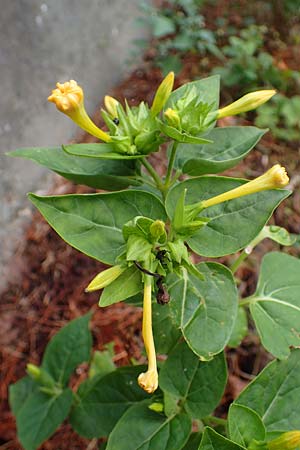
pixel 41 42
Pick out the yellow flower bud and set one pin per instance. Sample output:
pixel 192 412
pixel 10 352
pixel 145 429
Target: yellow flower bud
pixel 173 118
pixel 246 103
pixel 148 380
pixel 287 441
pixel 111 106
pixel 68 98
pixel 162 94
pixel 33 371
pixel 104 278
pixel 276 177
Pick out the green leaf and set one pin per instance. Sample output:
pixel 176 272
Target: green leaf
pixel 103 400
pixel 161 26
pixel 274 394
pixel 211 440
pixel 100 174
pixel 102 151
pixel 19 392
pixel 92 223
pixel 279 235
pixel 67 349
pixel 208 90
pixel 205 309
pixel 128 284
pixel 166 333
pixel 233 224
pixel 193 442
pixel 240 328
pixel 182 136
pixel 275 306
pixel 143 429
pixel 230 145
pixel 198 386
pixel 102 362
pixel 40 416
pixel 245 425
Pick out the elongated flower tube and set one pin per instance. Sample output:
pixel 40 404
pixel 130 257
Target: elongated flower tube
pixel 148 380
pixel 104 278
pixel 246 103
pixel 287 441
pixel 274 178
pixel 68 98
pixel 111 106
pixel 162 94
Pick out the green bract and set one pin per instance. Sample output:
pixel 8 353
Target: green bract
pixel 191 312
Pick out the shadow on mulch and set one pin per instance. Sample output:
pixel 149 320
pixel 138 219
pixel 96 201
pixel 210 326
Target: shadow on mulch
pixel 52 277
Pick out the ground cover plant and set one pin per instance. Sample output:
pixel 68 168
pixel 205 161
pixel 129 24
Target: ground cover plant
pixel 146 229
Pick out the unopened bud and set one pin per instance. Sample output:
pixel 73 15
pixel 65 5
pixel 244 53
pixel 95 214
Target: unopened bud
pixel 157 229
pixel 287 441
pixel 172 118
pixel 111 106
pixel 33 371
pixel 156 407
pixel 246 103
pixel 104 278
pixel 274 178
pixel 162 94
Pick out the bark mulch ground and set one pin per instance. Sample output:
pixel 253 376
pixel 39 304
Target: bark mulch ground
pixel 50 278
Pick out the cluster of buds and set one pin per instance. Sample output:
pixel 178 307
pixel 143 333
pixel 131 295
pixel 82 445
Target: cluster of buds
pixel 138 130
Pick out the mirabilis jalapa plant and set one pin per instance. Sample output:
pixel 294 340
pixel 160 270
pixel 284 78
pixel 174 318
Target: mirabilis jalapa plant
pixel 190 311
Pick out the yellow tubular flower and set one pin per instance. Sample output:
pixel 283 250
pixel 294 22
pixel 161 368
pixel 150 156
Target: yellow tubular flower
pixel 276 177
pixel 162 94
pixel 68 98
pixel 246 103
pixel 104 278
pixel 148 380
pixel 287 441
pixel 111 106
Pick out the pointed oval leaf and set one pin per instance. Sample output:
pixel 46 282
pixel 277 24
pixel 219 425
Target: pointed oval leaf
pixel 233 224
pixel 103 400
pixel 230 145
pixel 101 151
pixel 100 174
pixel 198 385
pixel 70 347
pixel 205 309
pixel 240 328
pixel 40 416
pixel 128 284
pixel 212 440
pixel 245 425
pixel 274 394
pixel 142 429
pixel 166 332
pixel 275 306
pixel 92 223
pixel 19 392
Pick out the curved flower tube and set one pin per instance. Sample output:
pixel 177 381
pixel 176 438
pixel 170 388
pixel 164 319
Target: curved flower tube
pixel 148 380
pixel 68 98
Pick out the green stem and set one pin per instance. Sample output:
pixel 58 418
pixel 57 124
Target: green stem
pixel 247 300
pixel 234 267
pixel 153 173
pixel 216 420
pixel 171 164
